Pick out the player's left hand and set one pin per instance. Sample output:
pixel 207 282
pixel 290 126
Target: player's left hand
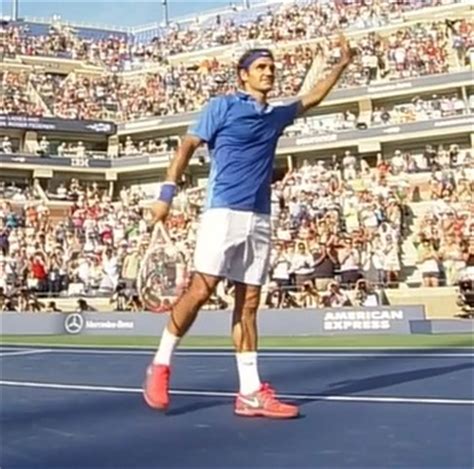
pixel 347 53
pixel 159 211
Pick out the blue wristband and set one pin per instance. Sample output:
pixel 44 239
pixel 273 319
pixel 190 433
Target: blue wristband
pixel 167 192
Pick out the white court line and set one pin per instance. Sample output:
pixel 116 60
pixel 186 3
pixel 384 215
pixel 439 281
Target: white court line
pixel 23 352
pixel 270 354
pixel 301 397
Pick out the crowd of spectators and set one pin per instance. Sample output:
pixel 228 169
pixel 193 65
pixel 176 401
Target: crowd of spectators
pixel 48 85
pixel 115 52
pixel 94 247
pixel 462 40
pixel 338 224
pixel 335 223
pixel 445 233
pixel 283 22
pixel 46 148
pixel 20 192
pixel 338 229
pixel 445 162
pixel 445 244
pixel 172 90
pixel 323 124
pixel 420 109
pixel 14 95
pixel 288 22
pixel 410 51
pixel 148 147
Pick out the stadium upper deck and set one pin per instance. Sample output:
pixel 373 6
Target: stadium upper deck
pixel 271 22
pixel 351 14
pixel 75 89
pixel 400 62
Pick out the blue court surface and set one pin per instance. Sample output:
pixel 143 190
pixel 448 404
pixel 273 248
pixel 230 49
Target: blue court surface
pixel 82 408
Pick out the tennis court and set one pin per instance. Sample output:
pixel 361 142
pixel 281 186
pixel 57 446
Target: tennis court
pixel 72 407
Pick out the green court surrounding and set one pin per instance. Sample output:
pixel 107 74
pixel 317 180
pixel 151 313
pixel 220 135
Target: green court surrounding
pixel 360 341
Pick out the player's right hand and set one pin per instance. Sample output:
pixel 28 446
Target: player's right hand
pixel 347 53
pixel 159 211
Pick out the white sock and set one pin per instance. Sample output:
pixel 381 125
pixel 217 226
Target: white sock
pixel 248 372
pixel 167 346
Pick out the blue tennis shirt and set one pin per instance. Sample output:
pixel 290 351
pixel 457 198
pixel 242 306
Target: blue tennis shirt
pixel 242 136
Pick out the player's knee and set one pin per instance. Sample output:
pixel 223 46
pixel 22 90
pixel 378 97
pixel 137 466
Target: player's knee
pixel 200 293
pixel 251 304
pixel 249 314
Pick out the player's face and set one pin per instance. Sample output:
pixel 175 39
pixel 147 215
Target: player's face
pixel 260 76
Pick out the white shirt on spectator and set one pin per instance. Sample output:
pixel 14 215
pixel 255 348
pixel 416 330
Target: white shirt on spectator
pixel 301 264
pixel 83 271
pixel 7 146
pixel 420 161
pixel 61 192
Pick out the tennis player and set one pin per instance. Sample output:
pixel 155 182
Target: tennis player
pixel 241 131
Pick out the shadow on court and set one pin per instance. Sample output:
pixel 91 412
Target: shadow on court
pixel 390 379
pixel 195 406
pixel 98 404
pixel 346 387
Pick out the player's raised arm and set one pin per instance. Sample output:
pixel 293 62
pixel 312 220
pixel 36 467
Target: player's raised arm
pixel 183 155
pixel 322 88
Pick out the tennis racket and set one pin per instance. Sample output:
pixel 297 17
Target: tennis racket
pixel 149 281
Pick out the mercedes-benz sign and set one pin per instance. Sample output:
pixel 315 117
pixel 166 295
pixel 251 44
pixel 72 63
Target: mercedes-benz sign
pixel 74 323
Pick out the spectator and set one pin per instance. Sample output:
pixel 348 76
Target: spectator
pixel 365 295
pixel 7 145
pixel 349 260
pixel 391 263
pixel 325 263
pixel 44 147
pixel 428 261
pixel 84 307
pixel 39 273
pixel 119 298
pixel 301 265
pixel 52 308
pixel 134 304
pixel 451 256
pixel 309 297
pixel 130 266
pixel 280 267
pixel 334 297
pixel 348 166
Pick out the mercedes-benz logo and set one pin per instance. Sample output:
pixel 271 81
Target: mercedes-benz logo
pixel 74 323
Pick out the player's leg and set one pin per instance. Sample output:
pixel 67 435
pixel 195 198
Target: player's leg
pixel 244 319
pixel 254 399
pixel 245 335
pixel 185 310
pixel 212 246
pixel 249 271
pixel 182 316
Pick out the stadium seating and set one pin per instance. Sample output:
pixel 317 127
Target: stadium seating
pixel 412 51
pixel 388 220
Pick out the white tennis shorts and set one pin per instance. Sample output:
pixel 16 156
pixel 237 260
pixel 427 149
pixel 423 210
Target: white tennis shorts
pixel 234 245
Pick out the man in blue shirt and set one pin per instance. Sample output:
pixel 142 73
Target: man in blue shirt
pixel 241 131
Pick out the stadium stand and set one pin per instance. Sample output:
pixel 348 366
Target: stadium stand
pixel 372 192
pixel 275 22
pixel 407 52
